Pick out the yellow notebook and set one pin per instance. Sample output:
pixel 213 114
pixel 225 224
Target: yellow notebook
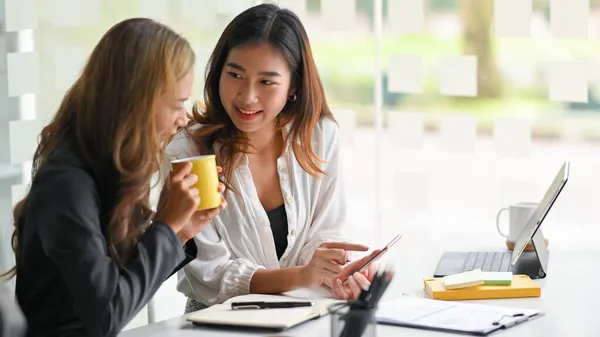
pixel 521 286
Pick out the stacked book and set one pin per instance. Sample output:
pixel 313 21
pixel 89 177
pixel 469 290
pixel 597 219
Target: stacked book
pixel 477 284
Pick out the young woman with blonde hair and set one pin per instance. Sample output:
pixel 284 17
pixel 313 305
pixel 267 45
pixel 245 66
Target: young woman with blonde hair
pixel 90 251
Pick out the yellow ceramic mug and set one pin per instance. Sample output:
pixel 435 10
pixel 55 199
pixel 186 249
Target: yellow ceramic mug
pixel 205 167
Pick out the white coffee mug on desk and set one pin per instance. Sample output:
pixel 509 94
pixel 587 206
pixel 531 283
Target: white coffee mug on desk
pixel 518 215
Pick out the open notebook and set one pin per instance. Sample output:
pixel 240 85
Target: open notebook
pixel 276 319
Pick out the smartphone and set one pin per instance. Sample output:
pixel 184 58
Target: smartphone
pixel 380 254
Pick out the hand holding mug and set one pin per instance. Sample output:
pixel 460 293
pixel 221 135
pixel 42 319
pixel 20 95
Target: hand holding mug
pixel 179 198
pixel 200 219
pixel 196 178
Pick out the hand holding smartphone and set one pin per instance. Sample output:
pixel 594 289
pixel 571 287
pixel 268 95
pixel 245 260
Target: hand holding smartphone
pixel 379 254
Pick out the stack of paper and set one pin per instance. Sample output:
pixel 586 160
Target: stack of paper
pixel 476 277
pixel 463 280
pixel 497 278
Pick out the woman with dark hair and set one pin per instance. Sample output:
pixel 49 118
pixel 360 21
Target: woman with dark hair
pixel 266 118
pixel 90 252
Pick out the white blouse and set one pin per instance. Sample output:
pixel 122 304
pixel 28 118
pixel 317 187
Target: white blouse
pixel 239 240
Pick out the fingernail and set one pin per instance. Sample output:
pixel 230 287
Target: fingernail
pixel 355 274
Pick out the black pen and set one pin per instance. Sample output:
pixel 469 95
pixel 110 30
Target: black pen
pixel 373 290
pixel 387 279
pixel 270 305
pixel 361 312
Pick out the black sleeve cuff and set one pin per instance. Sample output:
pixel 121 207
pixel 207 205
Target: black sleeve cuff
pixel 191 252
pixel 190 249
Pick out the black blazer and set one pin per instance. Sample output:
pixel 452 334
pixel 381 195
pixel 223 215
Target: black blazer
pixel 67 285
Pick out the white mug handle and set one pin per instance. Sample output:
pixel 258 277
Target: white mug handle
pixel 498 221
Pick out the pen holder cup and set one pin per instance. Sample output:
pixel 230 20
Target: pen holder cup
pixel 352 323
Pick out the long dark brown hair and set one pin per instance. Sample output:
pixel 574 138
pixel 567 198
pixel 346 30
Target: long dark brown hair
pixel 108 115
pixel 282 29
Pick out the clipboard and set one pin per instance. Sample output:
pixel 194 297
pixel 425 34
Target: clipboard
pixel 456 317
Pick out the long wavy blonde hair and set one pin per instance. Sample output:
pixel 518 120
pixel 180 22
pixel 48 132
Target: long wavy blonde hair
pixel 108 114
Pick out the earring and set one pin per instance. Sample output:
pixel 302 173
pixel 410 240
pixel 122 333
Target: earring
pixel 292 98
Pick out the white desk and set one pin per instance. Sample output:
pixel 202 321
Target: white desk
pixel 568 300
